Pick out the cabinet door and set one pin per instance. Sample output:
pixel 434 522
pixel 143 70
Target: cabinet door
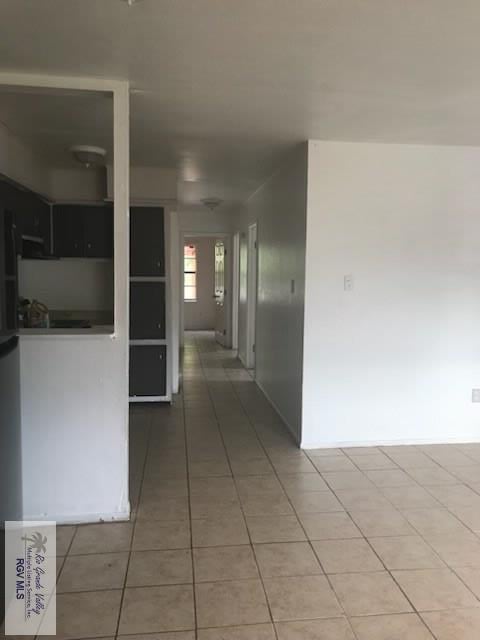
pixel 147 251
pixel 147 310
pixel 148 371
pixel 68 231
pixel 98 231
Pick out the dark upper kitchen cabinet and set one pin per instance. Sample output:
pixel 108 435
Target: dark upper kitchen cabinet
pixel 147 310
pixel 147 251
pixel 98 228
pixel 31 214
pixel 68 240
pixel 83 231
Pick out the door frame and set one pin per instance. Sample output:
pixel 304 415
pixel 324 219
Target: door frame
pixel 252 286
pixel 231 300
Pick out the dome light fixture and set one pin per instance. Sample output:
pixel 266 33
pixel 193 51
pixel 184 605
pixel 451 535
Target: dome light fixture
pixel 89 156
pixel 211 203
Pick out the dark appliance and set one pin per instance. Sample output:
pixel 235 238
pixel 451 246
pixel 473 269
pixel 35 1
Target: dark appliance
pixel 10 431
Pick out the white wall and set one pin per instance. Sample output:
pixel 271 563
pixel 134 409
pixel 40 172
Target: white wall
pixel 396 358
pixel 74 443
pixel 19 163
pixel 78 185
pixel 70 284
pixel 279 207
pixel 200 314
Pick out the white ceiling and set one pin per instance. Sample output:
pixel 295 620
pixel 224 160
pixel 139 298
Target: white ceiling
pixel 222 87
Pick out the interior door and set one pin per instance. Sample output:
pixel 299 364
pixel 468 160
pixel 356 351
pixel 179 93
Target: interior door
pixel 220 294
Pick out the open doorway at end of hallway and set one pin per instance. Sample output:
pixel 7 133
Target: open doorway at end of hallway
pixel 208 298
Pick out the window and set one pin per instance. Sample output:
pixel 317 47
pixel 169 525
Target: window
pixel 190 273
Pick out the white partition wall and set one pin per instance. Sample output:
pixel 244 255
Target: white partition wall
pixel 392 304
pixel 74 388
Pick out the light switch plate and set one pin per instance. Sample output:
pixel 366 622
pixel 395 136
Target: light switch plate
pixel 475 395
pixel 348 283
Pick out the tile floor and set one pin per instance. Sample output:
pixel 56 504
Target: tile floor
pixel 238 535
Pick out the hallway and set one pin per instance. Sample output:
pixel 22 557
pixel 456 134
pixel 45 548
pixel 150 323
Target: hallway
pixel 333 545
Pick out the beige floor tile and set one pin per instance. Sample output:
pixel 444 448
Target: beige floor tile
pixel 456 496
pixel 432 476
pixel 266 504
pixel 207 507
pixel 332 463
pixel 468 516
pixel 275 529
pixel 222 488
pixel 454 625
pixel 373 461
pixel 173 635
pixel 390 478
pixel 362 499
pixel 346 556
pixel 224 563
pixel 406 552
pixel 329 526
pixel 430 522
pixel 102 538
pixel 150 568
pixel 93 572
pixel 164 509
pixel 471 577
pixel 154 609
pixel 404 626
pixel 224 604
pixel 336 629
pixel 338 480
pixel 315 501
pixel 435 589
pixel 155 534
pixel 386 522
pixel 164 487
pixel 363 594
pixel 300 598
pixel 300 482
pixel 209 468
pixel 458 550
pixel 286 559
pixel 410 498
pixel 249 632
pixel 254 485
pixel 64 538
pixel 215 532
pixel 411 460
pixel 88 614
pixel 298 465
pixel 254 467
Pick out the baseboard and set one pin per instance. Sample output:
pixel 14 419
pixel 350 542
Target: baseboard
pixel 385 443
pixel 83 518
pixel 285 422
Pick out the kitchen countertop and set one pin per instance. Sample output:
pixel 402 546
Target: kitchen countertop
pixel 95 330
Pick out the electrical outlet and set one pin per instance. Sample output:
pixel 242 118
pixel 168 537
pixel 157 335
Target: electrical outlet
pixel 475 395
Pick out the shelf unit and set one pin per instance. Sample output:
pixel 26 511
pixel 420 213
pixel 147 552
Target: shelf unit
pixel 150 378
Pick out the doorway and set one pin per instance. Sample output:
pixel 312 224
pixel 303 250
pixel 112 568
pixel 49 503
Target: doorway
pixel 206 285
pixel 251 295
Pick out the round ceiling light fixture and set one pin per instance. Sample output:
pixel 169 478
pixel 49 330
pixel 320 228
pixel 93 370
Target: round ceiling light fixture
pixel 211 203
pixel 131 2
pixel 89 156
